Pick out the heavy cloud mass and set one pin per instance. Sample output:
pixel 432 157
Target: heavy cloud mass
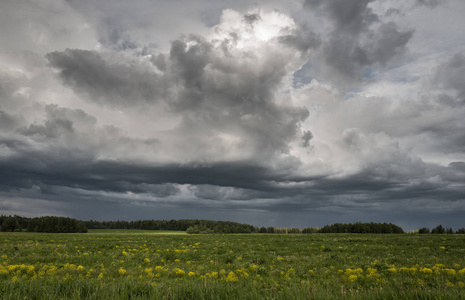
pixel 300 113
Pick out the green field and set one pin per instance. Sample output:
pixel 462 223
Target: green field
pixel 135 231
pixel 120 265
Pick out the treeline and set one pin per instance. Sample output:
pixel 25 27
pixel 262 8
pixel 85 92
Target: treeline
pixel 440 230
pixel 190 226
pixel 63 224
pixel 41 224
pixel 361 228
pixel 358 227
pixel 279 230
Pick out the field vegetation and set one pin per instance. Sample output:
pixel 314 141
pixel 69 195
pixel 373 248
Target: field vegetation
pixel 120 265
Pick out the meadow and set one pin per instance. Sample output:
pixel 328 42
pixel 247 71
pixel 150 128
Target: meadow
pixel 143 265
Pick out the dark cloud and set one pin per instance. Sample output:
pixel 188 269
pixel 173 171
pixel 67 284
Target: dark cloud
pixel 59 122
pixel 77 116
pixel 51 129
pixel 458 165
pixel 307 136
pixel 359 39
pixel 350 17
pixel 303 39
pixel 8 122
pixel 390 43
pixel 108 81
pixel 86 173
pixel 189 62
pixel 451 77
pixel 252 18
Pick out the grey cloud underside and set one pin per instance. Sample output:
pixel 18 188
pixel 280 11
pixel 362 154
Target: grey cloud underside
pixel 384 182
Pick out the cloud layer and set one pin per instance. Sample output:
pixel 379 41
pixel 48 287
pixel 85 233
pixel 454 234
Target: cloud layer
pixel 296 114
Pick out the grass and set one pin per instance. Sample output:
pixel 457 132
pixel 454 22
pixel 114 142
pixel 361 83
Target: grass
pixel 134 231
pixel 139 265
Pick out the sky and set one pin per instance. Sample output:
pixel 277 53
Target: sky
pixel 290 113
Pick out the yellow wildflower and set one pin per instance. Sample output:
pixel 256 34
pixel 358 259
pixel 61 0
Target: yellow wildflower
pixel 12 268
pixel 449 271
pixel 232 277
pixel 179 272
pixel 3 270
pixel 352 278
pixel 426 270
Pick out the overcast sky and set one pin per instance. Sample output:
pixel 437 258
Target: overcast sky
pixel 272 113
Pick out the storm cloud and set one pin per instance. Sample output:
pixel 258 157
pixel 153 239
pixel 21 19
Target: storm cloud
pixel 301 113
pixel 358 39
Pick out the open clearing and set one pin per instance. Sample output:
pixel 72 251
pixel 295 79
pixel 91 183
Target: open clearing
pixel 140 265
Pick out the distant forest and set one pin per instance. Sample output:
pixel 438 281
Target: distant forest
pixel 63 225
pixel 190 226
pixel 41 224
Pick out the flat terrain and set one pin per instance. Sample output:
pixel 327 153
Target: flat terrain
pixel 135 231
pixel 139 265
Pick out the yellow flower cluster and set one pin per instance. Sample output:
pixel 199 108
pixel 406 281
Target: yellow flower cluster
pixel 178 272
pixel 232 277
pixel 122 271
